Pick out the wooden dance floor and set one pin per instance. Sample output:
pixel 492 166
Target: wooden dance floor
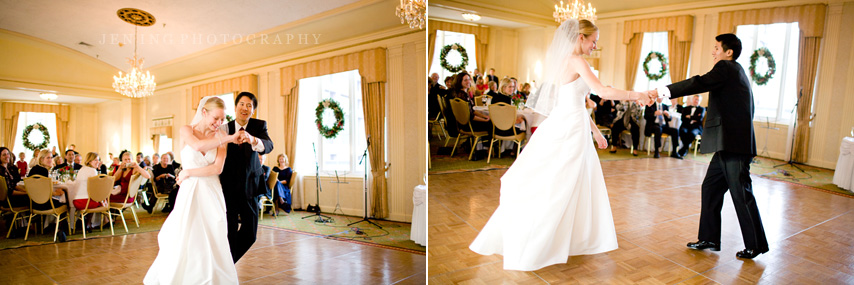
pixel 656 207
pixel 277 257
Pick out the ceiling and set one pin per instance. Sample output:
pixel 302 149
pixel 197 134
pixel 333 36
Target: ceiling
pixel 181 28
pixel 189 38
pixel 455 13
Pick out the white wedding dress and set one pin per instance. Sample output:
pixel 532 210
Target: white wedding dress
pixel 553 199
pixel 194 239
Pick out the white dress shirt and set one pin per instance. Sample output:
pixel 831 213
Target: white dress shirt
pixel 257 145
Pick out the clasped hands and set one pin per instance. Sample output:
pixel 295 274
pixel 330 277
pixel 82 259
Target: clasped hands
pixel 239 137
pixel 647 97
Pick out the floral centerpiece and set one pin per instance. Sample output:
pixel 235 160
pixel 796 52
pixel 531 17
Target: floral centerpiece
pixel 66 173
pixel 518 100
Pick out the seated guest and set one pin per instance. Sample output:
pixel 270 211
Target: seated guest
pixel 22 164
pixel 174 163
pixel 692 123
pixel 165 180
pixel 447 96
pixel 45 163
pixel 13 168
pixel 493 89
pixel 155 158
pixel 478 121
pixel 656 119
pixel 505 92
pixel 35 159
pixel 283 189
pixel 16 195
pixel 147 162
pixel 627 118
pixel 525 90
pixel 70 156
pixel 102 169
pixel 58 160
pixel 80 194
pixel 140 160
pixel 115 165
pixel 516 89
pixel 481 85
pixel 605 110
pixel 123 175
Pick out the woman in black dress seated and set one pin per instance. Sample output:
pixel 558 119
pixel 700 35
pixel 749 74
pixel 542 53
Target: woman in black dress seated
pixel 283 190
pixel 15 194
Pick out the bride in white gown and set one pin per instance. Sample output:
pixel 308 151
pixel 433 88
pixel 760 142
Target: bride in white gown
pixel 194 238
pixel 553 199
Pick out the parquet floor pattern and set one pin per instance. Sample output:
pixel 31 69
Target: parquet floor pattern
pixel 277 257
pixel 656 208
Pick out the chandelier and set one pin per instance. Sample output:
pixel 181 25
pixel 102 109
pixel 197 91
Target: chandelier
pixel 413 12
pixel 575 11
pixel 48 96
pixel 135 83
pixel 471 17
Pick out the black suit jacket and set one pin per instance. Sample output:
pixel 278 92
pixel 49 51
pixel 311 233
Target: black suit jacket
pixel 649 115
pixel 729 121
pixel 74 165
pixel 239 177
pixel 697 118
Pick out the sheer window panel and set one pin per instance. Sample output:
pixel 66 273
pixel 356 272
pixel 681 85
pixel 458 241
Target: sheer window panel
pixel 775 101
pixel 28 118
pixel 444 38
pixel 342 153
pixel 652 41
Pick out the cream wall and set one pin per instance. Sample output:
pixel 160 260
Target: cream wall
pixel 405 133
pixel 833 100
pixel 502 52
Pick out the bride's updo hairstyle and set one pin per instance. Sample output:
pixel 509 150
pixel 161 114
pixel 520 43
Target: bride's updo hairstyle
pixel 586 27
pixel 214 102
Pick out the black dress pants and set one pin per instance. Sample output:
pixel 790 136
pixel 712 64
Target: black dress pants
pixel 731 171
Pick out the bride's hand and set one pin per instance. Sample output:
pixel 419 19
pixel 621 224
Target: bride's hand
pixel 182 176
pixel 600 140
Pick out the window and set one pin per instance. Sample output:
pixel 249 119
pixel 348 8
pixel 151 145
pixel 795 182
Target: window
pixel 229 106
pixel 656 41
pixel 164 146
pixel 444 38
pixel 774 101
pixel 342 153
pixel 28 118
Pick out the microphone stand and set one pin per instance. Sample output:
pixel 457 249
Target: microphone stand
pixel 794 129
pixel 320 218
pixel 364 159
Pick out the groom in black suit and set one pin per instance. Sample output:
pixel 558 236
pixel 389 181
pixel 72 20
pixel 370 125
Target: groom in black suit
pixel 728 133
pixel 240 174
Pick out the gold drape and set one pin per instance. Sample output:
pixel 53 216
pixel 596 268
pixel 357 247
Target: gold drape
pixel 679 53
pixel 372 67
pixel 373 103
pixel 290 142
pixel 632 58
pixel 481 36
pixel 682 27
pixel 10 115
pixel 248 83
pixel 431 42
pixel 810 19
pixel 807 68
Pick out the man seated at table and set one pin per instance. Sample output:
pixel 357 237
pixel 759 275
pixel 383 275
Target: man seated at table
pixel 656 117
pixel 692 124
pixel 164 179
pixel 70 156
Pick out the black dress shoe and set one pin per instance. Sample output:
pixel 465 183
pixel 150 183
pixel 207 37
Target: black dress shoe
pixel 635 153
pixel 700 245
pixel 749 253
pixel 613 151
pixel 656 155
pixel 676 156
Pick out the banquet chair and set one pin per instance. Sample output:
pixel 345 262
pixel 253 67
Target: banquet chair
pixel 664 141
pixel 444 121
pixel 462 112
pixel 503 117
pixel 98 189
pixel 40 190
pixel 7 206
pixel 478 100
pixel 268 202
pixel 696 143
pixel 438 121
pixel 161 197
pixel 120 207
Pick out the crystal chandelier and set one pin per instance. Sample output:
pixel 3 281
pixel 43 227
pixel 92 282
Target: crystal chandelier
pixel 471 17
pixel 413 12
pixel 575 11
pixel 135 83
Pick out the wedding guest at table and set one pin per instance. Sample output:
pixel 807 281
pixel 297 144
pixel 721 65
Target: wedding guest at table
pixel 525 90
pixel 692 124
pixel 16 195
pixel 493 89
pixel 656 118
pixel 123 175
pixel 147 162
pixel 479 121
pixel 174 163
pixel 505 92
pixel 13 167
pixel 140 159
pixel 165 180
pixel 477 75
pixel 78 159
pixel 35 159
pixel 447 96
pixel 115 165
pixel 57 160
pixel 22 165
pixel 628 118
pixel 433 94
pixel 45 163
pixel 482 87
pixel 284 174
pixel 71 161
pixel 53 152
pixel 80 192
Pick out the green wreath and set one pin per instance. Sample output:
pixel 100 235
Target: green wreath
pixel 325 131
pixel 772 66
pixel 448 66
pixel 45 135
pixel 649 57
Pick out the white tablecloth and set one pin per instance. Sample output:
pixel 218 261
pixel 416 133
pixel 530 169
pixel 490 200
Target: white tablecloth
pixel 844 175
pixel 418 232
